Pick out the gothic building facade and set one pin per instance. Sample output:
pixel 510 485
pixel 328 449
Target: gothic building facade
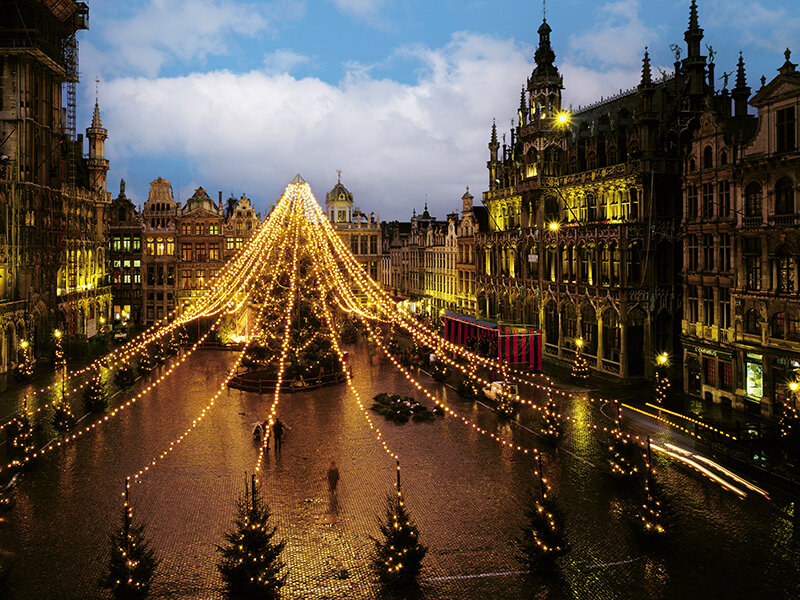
pixel 584 210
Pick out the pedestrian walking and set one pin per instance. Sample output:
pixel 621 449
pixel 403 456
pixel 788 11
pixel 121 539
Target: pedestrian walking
pixel 277 431
pixel 333 477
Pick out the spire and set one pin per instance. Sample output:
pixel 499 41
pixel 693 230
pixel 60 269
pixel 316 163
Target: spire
pixel 693 22
pixel 493 145
pixel 741 93
pixel 544 55
pixel 96 122
pixel 646 74
pixel 494 133
pixel 741 81
pixel 522 110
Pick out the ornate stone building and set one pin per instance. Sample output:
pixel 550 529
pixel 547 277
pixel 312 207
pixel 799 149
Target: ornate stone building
pixel 241 221
pixel 584 209
pixel 159 252
pixel 360 232
pixel 741 326
pixel 440 264
pixel 474 220
pixel 53 200
pixel 126 259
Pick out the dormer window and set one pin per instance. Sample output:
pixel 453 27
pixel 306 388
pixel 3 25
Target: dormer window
pixel 786 124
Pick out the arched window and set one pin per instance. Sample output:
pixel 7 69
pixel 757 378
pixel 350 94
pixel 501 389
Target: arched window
pixel 778 325
pixel 569 320
pixel 692 165
pixel 708 157
pixel 723 158
pixel 551 209
pixel 551 323
pixel 752 199
pixel 784 197
pixel 591 207
pixel 611 335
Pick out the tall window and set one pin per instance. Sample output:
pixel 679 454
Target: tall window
pixel 778 325
pixel 615 265
pixel 354 244
pixel 708 305
pixel 752 263
pixel 213 229
pixel 691 304
pixel 784 197
pixel 186 252
pixel 724 208
pixel 752 200
pixel 708 157
pixel 708 252
pixel 693 253
pixel 633 195
pixel 589 330
pixel 708 200
pixel 364 244
pixel 786 129
pixel 724 252
pixel 605 264
pixel 200 252
pixel 784 266
pixel 691 202
pixel 213 251
pixel 171 246
pixel 724 308
pixel 373 244
pixel 611 335
pixel 591 207
pixel 186 229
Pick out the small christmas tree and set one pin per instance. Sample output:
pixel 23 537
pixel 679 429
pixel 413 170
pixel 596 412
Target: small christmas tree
pixel 25 368
pixel 95 399
pixel 543 536
pixel 650 513
pixel 133 562
pixel 398 556
pixel 125 376
pixel 161 353
pixel 662 387
pixel 59 360
pixel 580 368
pixel 506 406
pixel 551 421
pixel 468 387
pixel 175 343
pixel 251 566
pixel 439 371
pixel 146 363
pixel 621 451
pixel 63 419
pixel 20 437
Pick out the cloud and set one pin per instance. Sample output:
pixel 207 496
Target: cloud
pixel 360 8
pixel 284 60
pixel 617 39
pixel 766 28
pixel 257 129
pixel 175 31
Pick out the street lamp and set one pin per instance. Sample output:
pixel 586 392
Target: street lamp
pixel 789 414
pixel 580 368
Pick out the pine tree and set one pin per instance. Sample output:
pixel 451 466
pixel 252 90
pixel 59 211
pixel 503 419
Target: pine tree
pixel 133 562
pixel 621 451
pixel 250 565
pixel 439 371
pixel 580 368
pixel 63 419
pixel 398 556
pixel 125 376
pixel 25 369
pixel 551 423
pixel 20 437
pixel 662 386
pixel 468 388
pixel 95 399
pixel 506 406
pixel 650 514
pixel 543 536
pixel 146 363
pixel 59 360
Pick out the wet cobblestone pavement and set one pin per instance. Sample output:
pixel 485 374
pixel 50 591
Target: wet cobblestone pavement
pixel 466 493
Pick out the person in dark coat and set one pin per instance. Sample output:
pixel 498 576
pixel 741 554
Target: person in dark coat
pixel 277 431
pixel 333 477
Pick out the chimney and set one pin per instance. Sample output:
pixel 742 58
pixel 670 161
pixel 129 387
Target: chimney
pixel 220 199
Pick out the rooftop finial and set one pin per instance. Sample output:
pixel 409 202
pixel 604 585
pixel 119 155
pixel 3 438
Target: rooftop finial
pixel 646 74
pixel 544 10
pixel 693 22
pixel 741 79
pixel 339 172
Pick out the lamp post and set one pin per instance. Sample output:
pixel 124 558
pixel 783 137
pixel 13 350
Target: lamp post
pixel 580 368
pixel 60 361
pixel 789 412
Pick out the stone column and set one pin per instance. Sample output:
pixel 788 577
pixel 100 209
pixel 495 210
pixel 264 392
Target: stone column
pixel 600 345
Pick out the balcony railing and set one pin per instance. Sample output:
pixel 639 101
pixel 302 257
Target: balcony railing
pixel 783 220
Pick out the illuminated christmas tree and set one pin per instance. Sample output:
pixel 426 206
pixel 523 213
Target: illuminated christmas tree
pixel 175 343
pixel 468 388
pixel 25 368
pixel 146 363
pixel 59 360
pixel 132 563
pixel 580 368
pixel 161 353
pixel 398 555
pixel 251 566
pixel 95 399
pixel 63 419
pixel 125 376
pixel 650 514
pixel 621 451
pixel 439 371
pixel 551 423
pixel 787 422
pixel 543 536
pixel 506 406
pixel 20 437
pixel 662 379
